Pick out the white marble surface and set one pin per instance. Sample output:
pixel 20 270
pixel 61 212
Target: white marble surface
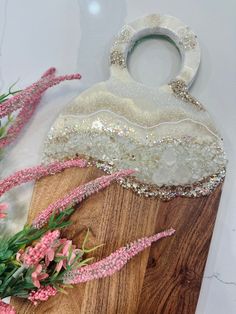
pixel 75 35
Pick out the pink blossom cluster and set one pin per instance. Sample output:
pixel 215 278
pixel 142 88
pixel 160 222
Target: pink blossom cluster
pixel 44 248
pixel 38 172
pixel 64 254
pixel 42 294
pixel 77 195
pixel 27 101
pixel 114 262
pixel 6 308
pixel 50 248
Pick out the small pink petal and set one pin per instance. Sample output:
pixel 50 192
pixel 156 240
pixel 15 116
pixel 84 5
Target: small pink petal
pixel 42 276
pixel 19 254
pixel 35 281
pixel 50 254
pixel 66 248
pixel 72 258
pixel 59 266
pixel 3 206
pixel 38 269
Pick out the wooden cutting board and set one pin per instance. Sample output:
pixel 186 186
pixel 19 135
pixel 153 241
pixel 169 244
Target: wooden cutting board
pixel 163 279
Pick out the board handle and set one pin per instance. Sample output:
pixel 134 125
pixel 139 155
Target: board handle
pixel 155 24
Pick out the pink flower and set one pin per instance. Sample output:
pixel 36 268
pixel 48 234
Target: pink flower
pixel 63 255
pixel 78 195
pixel 38 172
pixel 44 248
pixel 67 255
pixel 27 100
pixel 49 256
pixel 6 308
pixel 3 207
pixel 42 294
pixel 114 262
pixel 37 276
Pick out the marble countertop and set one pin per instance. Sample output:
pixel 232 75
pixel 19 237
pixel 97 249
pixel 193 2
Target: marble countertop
pixel 75 36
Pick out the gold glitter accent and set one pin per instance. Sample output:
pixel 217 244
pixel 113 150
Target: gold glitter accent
pixel 124 36
pixel 179 88
pixel 200 188
pixel 117 58
pixel 166 193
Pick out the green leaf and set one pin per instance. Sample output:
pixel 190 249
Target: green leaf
pixel 84 262
pixel 22 294
pixel 59 258
pixel 93 248
pixel 2 268
pixel 2 97
pixel 62 290
pixel 85 239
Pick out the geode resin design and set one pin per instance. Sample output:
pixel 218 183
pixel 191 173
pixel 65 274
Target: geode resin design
pixel 164 133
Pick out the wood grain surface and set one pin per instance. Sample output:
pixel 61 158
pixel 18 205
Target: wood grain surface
pixel 163 279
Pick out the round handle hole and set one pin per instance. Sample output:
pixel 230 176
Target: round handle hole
pixel 154 60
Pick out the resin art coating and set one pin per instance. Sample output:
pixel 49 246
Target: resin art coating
pixel 163 133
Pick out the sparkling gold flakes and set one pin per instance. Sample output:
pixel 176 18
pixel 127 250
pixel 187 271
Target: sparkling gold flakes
pixel 117 58
pixel 179 88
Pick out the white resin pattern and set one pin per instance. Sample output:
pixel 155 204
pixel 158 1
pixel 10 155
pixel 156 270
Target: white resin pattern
pixel 164 133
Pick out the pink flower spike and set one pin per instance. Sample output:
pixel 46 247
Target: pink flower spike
pixel 50 71
pixel 27 100
pixel 37 276
pixel 78 195
pixel 6 308
pixel 20 121
pixel 35 173
pixel 114 262
pixel 27 96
